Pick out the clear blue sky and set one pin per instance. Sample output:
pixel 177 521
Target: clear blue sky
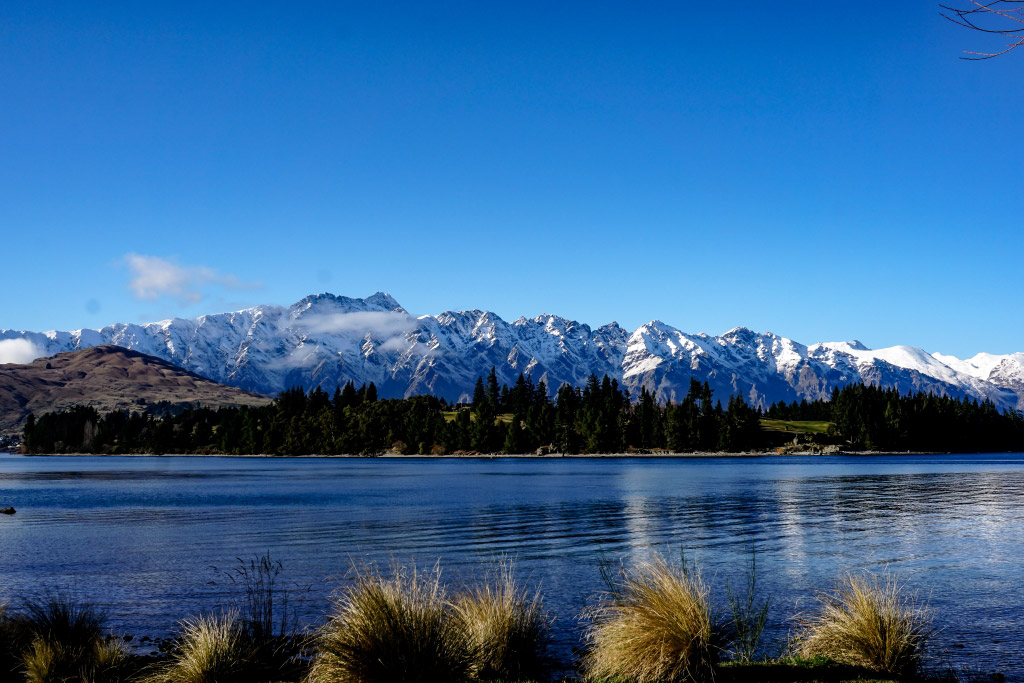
pixel 824 171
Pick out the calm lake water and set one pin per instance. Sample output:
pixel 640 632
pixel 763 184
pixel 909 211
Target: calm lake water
pixel 141 536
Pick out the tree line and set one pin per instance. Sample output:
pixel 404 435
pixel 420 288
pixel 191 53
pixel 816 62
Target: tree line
pixel 880 419
pixel 600 417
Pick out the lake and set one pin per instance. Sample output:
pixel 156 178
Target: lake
pixel 148 538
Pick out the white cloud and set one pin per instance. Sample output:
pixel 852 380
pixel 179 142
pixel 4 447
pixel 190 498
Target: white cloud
pixel 155 278
pixel 389 331
pixel 19 351
pixel 395 344
pixel 403 346
pixel 379 323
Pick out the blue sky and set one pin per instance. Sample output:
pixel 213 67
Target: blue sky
pixel 824 171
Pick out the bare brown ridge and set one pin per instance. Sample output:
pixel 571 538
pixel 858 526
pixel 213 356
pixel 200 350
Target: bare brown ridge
pixel 107 378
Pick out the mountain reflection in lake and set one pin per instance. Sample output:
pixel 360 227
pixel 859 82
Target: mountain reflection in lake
pixel 141 536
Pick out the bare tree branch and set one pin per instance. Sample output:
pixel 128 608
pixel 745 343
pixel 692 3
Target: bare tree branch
pixel 1001 17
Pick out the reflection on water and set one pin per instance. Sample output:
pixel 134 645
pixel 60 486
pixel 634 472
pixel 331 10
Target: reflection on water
pixel 142 535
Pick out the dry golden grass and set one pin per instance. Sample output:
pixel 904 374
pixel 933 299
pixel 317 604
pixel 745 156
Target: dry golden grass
pixel 52 662
pixel 656 626
pixel 211 649
pixel 393 629
pixel 868 621
pixel 14 638
pixel 507 627
pixel 68 644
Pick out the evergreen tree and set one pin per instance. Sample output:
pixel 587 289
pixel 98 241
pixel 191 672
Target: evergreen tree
pixel 493 392
pixel 514 441
pixel 483 437
pixel 348 396
pixel 596 418
pixel 28 433
pixel 478 392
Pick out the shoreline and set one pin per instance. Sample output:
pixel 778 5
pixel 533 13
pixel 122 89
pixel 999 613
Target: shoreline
pixel 523 456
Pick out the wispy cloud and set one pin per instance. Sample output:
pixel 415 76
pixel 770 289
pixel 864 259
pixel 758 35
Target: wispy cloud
pixel 389 331
pixel 157 278
pixel 19 351
pixel 407 346
pixel 380 324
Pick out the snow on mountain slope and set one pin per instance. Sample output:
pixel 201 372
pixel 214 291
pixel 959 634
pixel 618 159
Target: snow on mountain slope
pixel 764 368
pixel 1006 371
pixel 911 369
pixel 327 340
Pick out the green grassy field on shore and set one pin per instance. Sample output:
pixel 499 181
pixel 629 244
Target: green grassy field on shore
pixel 450 415
pixel 796 426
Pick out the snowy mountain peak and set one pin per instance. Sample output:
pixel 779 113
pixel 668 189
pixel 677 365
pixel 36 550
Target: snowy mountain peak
pixel 326 340
pixel 655 328
pixel 384 300
pixel 741 331
pixel 375 302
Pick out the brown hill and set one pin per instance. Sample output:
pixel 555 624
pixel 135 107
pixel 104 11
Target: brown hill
pixel 107 377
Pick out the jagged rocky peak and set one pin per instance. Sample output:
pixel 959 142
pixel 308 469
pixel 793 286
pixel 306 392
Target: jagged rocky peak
pixel 742 333
pixel 385 301
pixel 746 338
pixel 326 339
pixel 555 326
pixel 612 333
pixel 379 301
pixel 655 328
pixel 852 346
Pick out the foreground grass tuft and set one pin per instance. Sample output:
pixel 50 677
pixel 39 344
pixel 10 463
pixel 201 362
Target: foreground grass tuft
pixel 507 627
pixel 53 662
pixel 68 644
pixel 211 649
pixel 656 626
pixel 14 639
pixel 267 621
pixel 393 629
pixel 749 615
pixel 868 621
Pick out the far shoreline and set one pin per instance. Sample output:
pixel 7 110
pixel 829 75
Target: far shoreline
pixel 522 456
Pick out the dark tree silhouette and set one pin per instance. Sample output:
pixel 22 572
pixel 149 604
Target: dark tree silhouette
pixel 598 418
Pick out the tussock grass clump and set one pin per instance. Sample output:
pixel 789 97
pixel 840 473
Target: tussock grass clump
pixel 14 639
pixel 508 628
pixel 256 642
pixel 655 626
pixel 749 615
pixel 265 613
pixel 211 649
pixel 68 644
pixel 57 619
pixel 267 620
pixel 393 629
pixel 868 621
pixel 53 662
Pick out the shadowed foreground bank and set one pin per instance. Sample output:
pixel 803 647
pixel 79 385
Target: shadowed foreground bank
pixel 656 622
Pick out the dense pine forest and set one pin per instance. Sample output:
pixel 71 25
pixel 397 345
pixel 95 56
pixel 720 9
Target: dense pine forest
pixel 598 418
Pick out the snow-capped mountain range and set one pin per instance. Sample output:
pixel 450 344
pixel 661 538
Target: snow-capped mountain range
pixel 327 340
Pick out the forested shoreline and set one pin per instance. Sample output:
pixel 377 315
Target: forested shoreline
pixel 600 417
